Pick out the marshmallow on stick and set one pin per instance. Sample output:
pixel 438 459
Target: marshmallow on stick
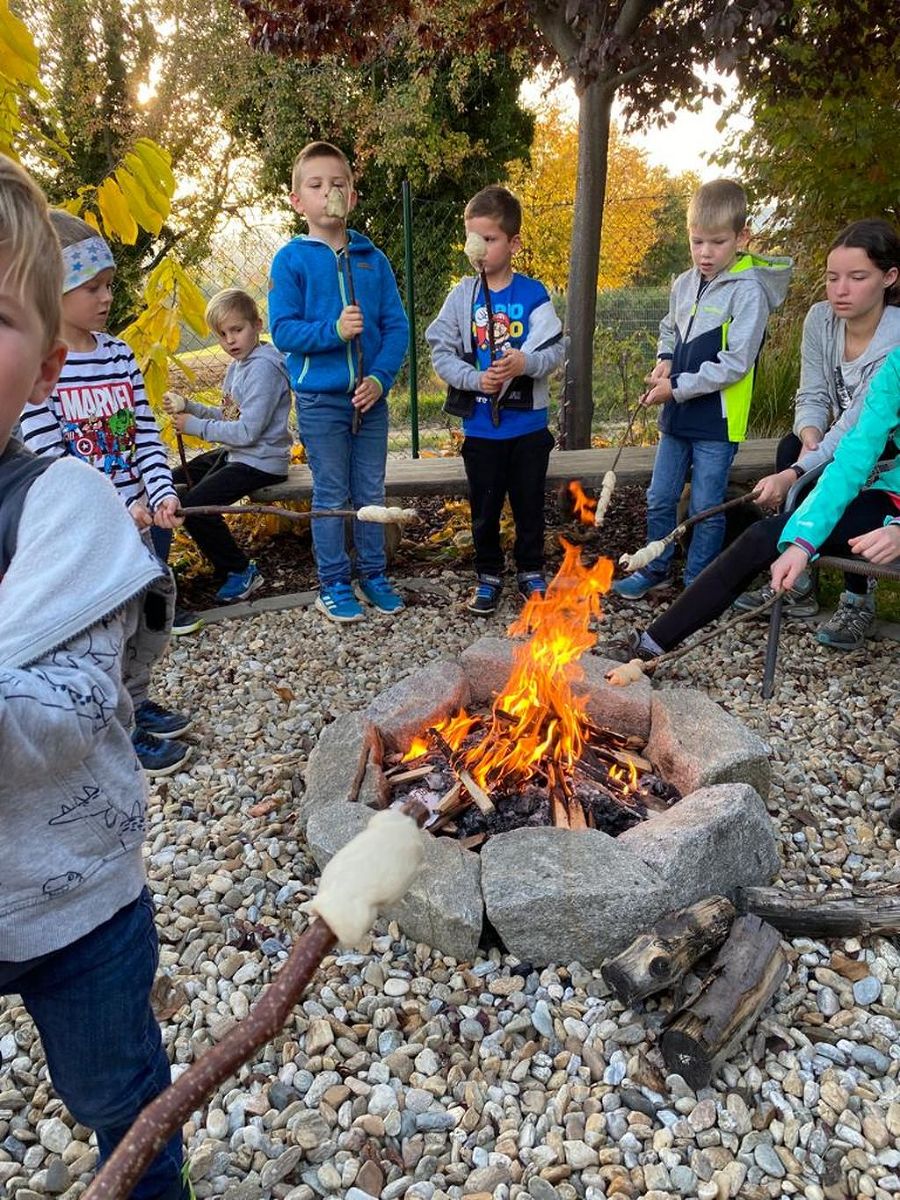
pixel 606 494
pixel 476 249
pixel 630 672
pixel 336 203
pixel 386 516
pixel 646 554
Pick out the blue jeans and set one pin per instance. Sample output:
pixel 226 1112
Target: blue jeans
pixel 90 1002
pixel 708 464
pixel 347 471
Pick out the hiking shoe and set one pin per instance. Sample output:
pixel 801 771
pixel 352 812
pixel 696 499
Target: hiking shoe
pixel 531 583
pixel 159 757
pixel 633 587
pixel 800 601
pixel 337 602
pixel 852 623
pixel 486 596
pixel 185 622
pixel 379 591
pixel 160 722
pixel 624 649
pixel 240 584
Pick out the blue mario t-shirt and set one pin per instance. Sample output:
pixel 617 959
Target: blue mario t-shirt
pixel 512 307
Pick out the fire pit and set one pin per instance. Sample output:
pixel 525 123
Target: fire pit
pixel 531 789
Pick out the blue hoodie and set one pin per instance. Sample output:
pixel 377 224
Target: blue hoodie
pixel 307 292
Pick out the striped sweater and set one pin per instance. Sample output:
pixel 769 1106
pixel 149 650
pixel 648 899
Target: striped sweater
pixel 99 413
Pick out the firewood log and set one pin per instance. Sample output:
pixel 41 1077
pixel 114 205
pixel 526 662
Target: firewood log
pixel 657 959
pixel 807 914
pixel 747 972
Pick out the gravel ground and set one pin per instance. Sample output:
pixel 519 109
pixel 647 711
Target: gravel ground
pixel 408 1074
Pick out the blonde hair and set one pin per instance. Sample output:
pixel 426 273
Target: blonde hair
pixel 33 263
pixel 227 301
pixel 720 204
pixel 317 150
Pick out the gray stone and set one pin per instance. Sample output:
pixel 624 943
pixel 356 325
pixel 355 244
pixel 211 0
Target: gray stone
pixel 410 706
pixel 712 842
pixel 694 743
pixel 866 990
pixel 624 709
pixel 279 1168
pixel 338 763
pixel 487 664
pixel 557 895
pixel 871 1060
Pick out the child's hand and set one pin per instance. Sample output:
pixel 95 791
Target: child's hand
pixel 491 380
pixel 772 489
pixel 179 420
pixel 788 567
pixel 173 403
pixel 510 365
pixel 662 370
pixel 658 393
pixel 366 394
pixel 810 437
pixel 879 546
pixel 350 322
pixel 141 515
pixel 165 515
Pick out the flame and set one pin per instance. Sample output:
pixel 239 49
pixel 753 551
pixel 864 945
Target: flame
pixel 585 506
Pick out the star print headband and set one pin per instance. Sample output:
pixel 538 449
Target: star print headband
pixel 84 260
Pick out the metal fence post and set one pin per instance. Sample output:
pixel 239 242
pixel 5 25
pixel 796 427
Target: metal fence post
pixel 409 272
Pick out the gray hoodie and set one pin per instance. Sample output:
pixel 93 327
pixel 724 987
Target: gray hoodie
pixel 72 794
pixel 821 401
pixel 259 437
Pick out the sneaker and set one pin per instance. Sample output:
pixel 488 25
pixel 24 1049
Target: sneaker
pixel 159 757
pixel 484 599
pixel 633 587
pixel 240 584
pixel 337 602
pixel 185 622
pixel 531 583
pixel 379 590
pixel 852 623
pixel 800 601
pixel 160 722
pixel 623 650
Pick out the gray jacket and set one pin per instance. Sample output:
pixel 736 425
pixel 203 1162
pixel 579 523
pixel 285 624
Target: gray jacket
pixel 821 401
pixel 259 436
pixel 72 794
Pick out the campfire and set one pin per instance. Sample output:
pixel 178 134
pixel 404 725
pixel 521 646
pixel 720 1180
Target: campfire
pixel 536 758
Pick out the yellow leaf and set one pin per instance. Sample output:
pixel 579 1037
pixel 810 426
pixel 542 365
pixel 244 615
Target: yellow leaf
pixel 157 161
pixel 191 302
pixel 144 213
pixel 115 212
pixel 88 216
pixel 20 59
pixel 73 206
pixel 157 198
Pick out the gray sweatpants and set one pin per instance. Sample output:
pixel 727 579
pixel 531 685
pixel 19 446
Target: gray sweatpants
pixel 147 644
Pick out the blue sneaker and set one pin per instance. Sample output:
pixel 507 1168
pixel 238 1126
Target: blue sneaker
pixel 486 596
pixel 633 587
pixel 160 722
pixel 159 757
pixel 240 584
pixel 379 590
pixel 337 602
pixel 531 583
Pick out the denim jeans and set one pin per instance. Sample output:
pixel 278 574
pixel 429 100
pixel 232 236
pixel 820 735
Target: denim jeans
pixel 90 1002
pixel 708 464
pixel 347 471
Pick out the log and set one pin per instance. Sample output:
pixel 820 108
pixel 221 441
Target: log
pixel 748 970
pixel 810 914
pixel 659 958
pixel 409 776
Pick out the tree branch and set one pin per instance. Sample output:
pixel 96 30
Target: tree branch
pixel 633 12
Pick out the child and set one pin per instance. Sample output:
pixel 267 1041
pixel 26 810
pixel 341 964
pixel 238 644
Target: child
pixel 253 421
pixel 326 338
pixel 708 345
pixel 98 412
pixel 509 457
pixel 77 939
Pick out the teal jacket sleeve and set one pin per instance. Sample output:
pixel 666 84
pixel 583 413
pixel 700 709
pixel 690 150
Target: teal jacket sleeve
pixel 856 455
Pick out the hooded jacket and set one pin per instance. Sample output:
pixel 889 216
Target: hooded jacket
pixel 72 794
pixel 308 289
pixel 821 400
pixel 713 335
pixel 259 388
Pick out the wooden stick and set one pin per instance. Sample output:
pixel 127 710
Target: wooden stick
pixel 627 432
pixel 657 959
pixel 807 914
pixel 179 442
pixel 409 776
pixel 672 655
pixel 495 398
pixel 240 510
pixel 478 794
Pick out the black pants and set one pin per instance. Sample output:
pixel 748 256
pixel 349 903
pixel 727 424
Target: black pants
pixel 214 480
pixel 514 467
pixel 757 548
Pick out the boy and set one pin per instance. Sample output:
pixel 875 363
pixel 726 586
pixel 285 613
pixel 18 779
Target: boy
pixel 498 383
pixel 253 422
pixel 708 344
pixel 342 358
pixel 99 412
pixel 77 940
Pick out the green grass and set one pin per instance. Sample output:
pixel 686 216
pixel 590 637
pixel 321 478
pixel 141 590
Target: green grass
pixel 887 597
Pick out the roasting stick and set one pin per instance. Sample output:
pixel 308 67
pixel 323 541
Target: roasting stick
pixel 649 553
pixel 371 872
pixel 179 442
pixel 609 479
pixel 379 514
pixel 476 252
pixel 636 668
pixel 336 206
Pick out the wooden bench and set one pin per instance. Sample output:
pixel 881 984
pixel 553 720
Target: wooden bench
pixel 447 476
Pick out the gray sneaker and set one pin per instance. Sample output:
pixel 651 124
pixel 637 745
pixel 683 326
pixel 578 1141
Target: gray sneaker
pixel 800 601
pixel 852 623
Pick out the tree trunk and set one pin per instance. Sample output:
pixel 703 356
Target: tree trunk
pixel 594 112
